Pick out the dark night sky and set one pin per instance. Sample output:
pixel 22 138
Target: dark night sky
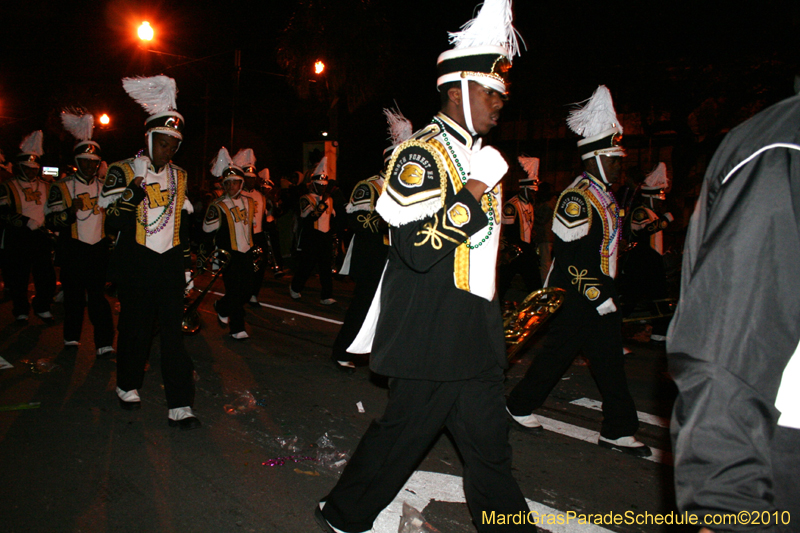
pixel 664 55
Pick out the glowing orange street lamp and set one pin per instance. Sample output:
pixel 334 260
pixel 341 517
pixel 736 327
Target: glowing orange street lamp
pixel 319 66
pixel 104 119
pixel 145 31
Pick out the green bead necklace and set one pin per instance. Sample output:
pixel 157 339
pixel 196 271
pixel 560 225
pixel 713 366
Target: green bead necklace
pixel 463 177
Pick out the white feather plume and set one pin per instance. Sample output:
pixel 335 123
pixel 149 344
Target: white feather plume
pixel 596 116
pixel 32 144
pixel 658 178
pixel 221 162
pixel 245 158
pixel 155 94
pixel 530 165
pixel 79 125
pixel 492 26
pixel 400 128
pixel 322 167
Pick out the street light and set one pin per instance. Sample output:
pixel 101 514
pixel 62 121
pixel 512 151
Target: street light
pixel 145 31
pixel 105 120
pixel 319 66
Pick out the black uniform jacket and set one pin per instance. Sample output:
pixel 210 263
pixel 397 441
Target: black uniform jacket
pixel 581 234
pixel 428 328
pixel 370 232
pixel 738 318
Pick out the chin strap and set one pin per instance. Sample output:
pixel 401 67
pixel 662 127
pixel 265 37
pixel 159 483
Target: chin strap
pixel 465 105
pixel 602 172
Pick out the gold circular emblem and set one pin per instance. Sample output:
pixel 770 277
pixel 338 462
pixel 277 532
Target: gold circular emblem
pixel 411 175
pixel 572 209
pixel 458 215
pixel 592 293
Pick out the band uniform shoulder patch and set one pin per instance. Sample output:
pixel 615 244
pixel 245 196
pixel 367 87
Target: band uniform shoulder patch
pixel 639 215
pixel 509 210
pixel 413 172
pixel 573 215
pixel 360 192
pixel 458 215
pixel 592 293
pixel 115 179
pixel 573 208
pixel 212 214
pixel 55 197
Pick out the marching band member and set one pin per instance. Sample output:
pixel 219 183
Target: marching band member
pixel 229 223
pixel 272 211
pixel 147 210
pixel 368 247
pixel 315 242
pixel 27 246
pixel 643 273
pixel 434 327
pixel 246 160
pixel 518 231
pixel 586 226
pixel 72 211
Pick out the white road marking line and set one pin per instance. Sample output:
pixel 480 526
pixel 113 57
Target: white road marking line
pixel 647 418
pixel 577 432
pixel 307 315
pixel 424 487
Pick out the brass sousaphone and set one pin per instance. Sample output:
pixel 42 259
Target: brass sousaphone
pixel 191 319
pixel 522 322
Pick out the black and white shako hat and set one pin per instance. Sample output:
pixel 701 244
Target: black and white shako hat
pixel 246 160
pixel 597 123
pixel 31 151
pixel 482 52
pixel 656 183
pixel 531 167
pixel 81 126
pixel 157 95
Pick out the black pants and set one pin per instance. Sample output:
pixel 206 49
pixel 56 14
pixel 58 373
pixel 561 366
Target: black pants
pixel 315 250
pixel 393 446
pixel 259 241
pixel 142 306
pixel 526 265
pixel 575 327
pixel 238 279
pixel 29 252
pixel 83 276
pixel 644 279
pixel 271 229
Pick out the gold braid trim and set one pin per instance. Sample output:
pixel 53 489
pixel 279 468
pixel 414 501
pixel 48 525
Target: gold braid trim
pixel 433 235
pixel 604 266
pixel 461 259
pixel 181 198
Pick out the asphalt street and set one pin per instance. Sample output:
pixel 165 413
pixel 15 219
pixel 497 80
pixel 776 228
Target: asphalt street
pixel 278 423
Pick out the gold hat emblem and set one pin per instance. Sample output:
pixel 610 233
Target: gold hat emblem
pixel 458 215
pixel 411 175
pixel 592 293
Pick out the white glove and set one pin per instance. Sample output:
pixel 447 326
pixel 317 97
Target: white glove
pixel 34 224
pixel 140 166
pixel 488 167
pixel 190 284
pixel 669 216
pixel 606 307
